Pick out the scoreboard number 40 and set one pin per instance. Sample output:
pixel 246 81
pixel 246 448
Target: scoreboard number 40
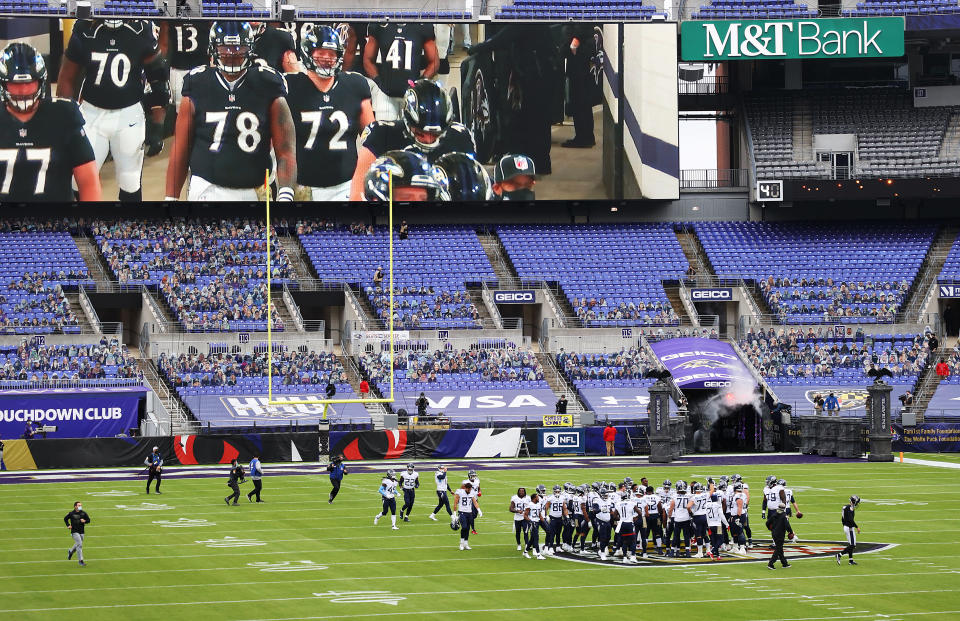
pixel 769 191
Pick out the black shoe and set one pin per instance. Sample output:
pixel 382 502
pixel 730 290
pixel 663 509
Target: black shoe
pixel 852 562
pixel 838 558
pixel 577 144
pixel 258 500
pixel 158 491
pixel 406 519
pixel 227 500
pixel 82 564
pixel 330 501
pixel 785 565
pixel 69 554
pixel 770 567
pixel 234 503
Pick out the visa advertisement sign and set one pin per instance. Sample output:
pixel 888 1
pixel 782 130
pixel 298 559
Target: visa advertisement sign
pixel 844 37
pixel 514 297
pixel 551 442
pixel 482 404
pixel 702 363
pixel 711 295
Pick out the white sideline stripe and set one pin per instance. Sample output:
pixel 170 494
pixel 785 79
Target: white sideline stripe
pixel 436 593
pixel 456 559
pixel 931 463
pixel 459 575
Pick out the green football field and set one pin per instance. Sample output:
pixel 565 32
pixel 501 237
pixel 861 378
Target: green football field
pixel 188 556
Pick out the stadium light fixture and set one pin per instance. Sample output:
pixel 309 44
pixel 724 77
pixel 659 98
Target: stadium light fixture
pixel 288 13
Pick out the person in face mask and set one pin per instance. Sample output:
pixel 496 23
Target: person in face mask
pixel 76 521
pixel 514 177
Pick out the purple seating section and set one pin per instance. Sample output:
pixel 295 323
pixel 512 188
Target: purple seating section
pixel 590 261
pixel 875 8
pixel 431 271
pixel 816 273
pixel 606 370
pixel 754 9
pixel 794 358
pixel 32 7
pixel 232 8
pixel 137 8
pixel 29 364
pixel 578 10
pixel 950 273
pixel 35 269
pixel 212 274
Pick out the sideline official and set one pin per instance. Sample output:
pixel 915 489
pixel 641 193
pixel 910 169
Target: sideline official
pixel 76 520
pixel 154 464
pixel 256 473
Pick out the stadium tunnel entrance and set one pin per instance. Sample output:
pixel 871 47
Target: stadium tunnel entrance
pixel 723 420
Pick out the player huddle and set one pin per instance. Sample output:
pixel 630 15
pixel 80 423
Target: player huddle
pixel 628 518
pixel 250 104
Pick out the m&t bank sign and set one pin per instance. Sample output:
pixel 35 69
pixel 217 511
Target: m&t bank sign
pixel 791 38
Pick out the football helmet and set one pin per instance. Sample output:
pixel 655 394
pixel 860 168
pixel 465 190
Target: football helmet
pixel 426 111
pixel 582 490
pixel 408 169
pixel 21 63
pixel 595 486
pixel 782 482
pixel 467 179
pixel 568 488
pixel 667 484
pixel 722 486
pixel 854 500
pixel 681 487
pixel 231 45
pixel 322 38
pixel 737 478
pixel 696 488
pixel 455 521
pixel 409 467
pixel 771 480
pixel 391 475
pixel 738 487
pixel 541 490
pixel 472 474
pixel 557 489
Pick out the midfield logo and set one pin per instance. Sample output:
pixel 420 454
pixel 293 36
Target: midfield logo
pixel 811 38
pixel 760 552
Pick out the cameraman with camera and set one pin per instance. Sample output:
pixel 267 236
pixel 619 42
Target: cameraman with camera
pixel 906 400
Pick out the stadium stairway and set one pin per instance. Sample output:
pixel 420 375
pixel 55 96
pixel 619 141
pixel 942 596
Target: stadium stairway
pixel 697 256
pixel 297 257
pixel 96 264
pixel 181 421
pixel 354 377
pixel 950 147
pixel 673 294
pixel 286 316
pixel 499 260
pixel 86 325
pixel 560 385
pixel 476 297
pixel 928 382
pixel 922 289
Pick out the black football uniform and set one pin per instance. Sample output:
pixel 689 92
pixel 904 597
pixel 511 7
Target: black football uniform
pixel 37 158
pixel 189 44
pixel 399 54
pixel 231 135
pixel 271 46
pixel 327 127
pixel 113 61
pixel 383 136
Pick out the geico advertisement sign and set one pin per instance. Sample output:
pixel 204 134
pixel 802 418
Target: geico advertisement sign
pixel 702 295
pixel 514 297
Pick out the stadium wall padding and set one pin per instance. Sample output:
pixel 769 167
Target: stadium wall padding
pixel 176 450
pixel 417 444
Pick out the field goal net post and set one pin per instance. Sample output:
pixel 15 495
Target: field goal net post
pixel 326 403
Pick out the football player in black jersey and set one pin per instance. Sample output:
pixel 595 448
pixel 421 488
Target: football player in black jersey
pixel 392 58
pixel 467 180
pixel 186 46
pixel 414 179
pixel 330 107
pixel 427 126
pixel 229 118
pixel 298 30
pixel 114 56
pixel 275 48
pixel 42 142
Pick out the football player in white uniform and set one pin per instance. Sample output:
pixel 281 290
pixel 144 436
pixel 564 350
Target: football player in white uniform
pixel 518 507
pixel 466 504
pixel 651 509
pixel 737 507
pixel 440 478
pixel 626 510
pixel 533 521
pixel 410 482
pixel 667 495
pixel 556 508
pixel 581 517
pixel 601 507
pixel 698 511
pixel 716 521
pixel 682 524
pixel 388 493
pixel 746 507
pixel 474 482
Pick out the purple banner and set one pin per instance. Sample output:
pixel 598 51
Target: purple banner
pixel 927 438
pixel 76 412
pixel 247 410
pixel 481 404
pixel 945 401
pixel 853 399
pixel 702 363
pixel 616 403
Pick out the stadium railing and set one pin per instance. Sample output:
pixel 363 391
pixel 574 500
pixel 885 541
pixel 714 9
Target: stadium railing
pixel 923 323
pixel 707 85
pixel 714 178
pixel 110 382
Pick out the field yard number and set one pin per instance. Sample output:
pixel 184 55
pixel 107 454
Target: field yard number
pixel 287 566
pixel 231 542
pixel 183 523
pixel 361 597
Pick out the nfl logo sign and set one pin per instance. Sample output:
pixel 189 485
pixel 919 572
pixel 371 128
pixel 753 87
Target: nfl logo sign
pixel 23 132
pixel 231 97
pixel 520 162
pixel 113 41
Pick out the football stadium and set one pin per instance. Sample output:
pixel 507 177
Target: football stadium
pixel 662 293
